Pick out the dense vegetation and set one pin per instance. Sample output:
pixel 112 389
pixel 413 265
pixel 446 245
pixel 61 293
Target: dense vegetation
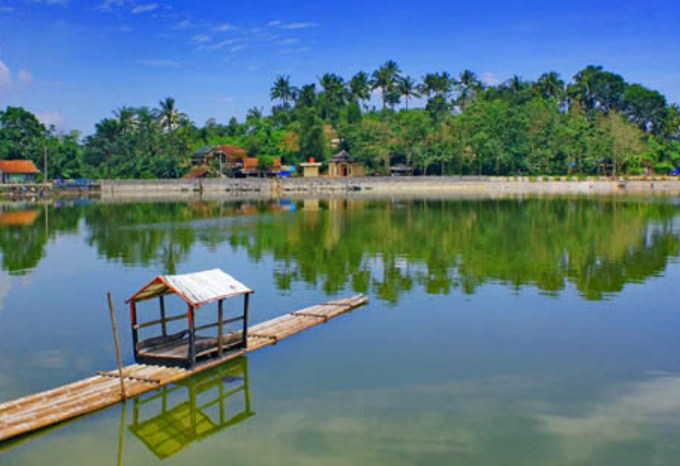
pixel 595 124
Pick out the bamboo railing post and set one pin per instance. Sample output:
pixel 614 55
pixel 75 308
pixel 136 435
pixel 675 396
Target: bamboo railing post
pixel 220 325
pixel 164 324
pixel 115 339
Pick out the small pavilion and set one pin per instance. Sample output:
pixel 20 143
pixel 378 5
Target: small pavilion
pixel 191 336
pixel 342 165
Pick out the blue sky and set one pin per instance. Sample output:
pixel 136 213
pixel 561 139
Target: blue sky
pixel 73 62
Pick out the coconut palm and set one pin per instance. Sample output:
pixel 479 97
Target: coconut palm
pixel 385 78
pixel 468 86
pixel 359 87
pixel 169 117
pixel 283 91
pixel 408 89
pixel 550 86
pixel 127 118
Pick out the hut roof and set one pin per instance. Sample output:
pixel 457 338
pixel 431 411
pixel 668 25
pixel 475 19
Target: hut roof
pixel 203 151
pixel 341 157
pixel 234 151
pixel 194 288
pixel 18 166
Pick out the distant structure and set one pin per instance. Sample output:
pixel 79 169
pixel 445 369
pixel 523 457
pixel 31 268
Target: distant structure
pixel 17 171
pixel 342 166
pixel 310 169
pixel 226 154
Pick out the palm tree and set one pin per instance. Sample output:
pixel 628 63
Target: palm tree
pixel 333 95
pixel 408 89
pixel 515 84
pixel 468 85
pixel 283 91
pixel 169 117
pixel 307 96
pixel 550 86
pixel 359 88
pixel 127 119
pixel 384 78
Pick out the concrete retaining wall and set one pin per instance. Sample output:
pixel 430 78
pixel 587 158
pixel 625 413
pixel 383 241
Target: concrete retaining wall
pixel 493 186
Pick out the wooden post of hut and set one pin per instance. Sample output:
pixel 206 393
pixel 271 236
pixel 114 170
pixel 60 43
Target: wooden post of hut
pixel 193 343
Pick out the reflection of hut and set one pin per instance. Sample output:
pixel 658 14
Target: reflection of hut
pixel 342 165
pixel 18 217
pixel 184 346
pixel 18 171
pixel 193 409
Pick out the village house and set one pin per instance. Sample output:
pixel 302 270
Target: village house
pixel 18 171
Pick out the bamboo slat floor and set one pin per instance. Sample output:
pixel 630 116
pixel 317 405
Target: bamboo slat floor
pixel 50 407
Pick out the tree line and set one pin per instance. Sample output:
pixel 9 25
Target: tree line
pixel 597 123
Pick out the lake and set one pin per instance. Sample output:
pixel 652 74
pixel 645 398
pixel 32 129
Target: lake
pixel 521 331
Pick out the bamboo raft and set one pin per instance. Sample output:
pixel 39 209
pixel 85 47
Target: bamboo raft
pixel 50 407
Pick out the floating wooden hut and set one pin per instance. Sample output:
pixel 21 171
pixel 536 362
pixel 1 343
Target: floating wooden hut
pixel 198 335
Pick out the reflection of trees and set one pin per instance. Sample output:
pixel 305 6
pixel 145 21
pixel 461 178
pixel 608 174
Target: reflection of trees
pixel 386 247
pixel 24 233
pixel 599 245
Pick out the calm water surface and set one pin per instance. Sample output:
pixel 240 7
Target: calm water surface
pixel 515 332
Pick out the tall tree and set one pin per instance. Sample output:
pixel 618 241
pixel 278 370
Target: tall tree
pixel 283 91
pixel 385 79
pixel 408 89
pixel 168 115
pixel 468 86
pixel 359 88
pixel 550 86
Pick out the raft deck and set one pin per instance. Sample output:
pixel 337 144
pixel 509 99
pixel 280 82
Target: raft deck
pixel 50 407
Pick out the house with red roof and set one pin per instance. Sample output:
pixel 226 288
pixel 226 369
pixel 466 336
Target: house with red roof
pixel 18 171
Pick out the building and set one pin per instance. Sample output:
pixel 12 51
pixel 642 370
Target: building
pixel 18 171
pixel 310 169
pixel 342 165
pixel 229 157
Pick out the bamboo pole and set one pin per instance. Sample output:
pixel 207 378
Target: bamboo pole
pixel 115 339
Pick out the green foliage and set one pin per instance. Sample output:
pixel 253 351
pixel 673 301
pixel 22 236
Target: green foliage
pixel 595 125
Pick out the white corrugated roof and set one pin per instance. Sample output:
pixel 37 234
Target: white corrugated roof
pixel 195 288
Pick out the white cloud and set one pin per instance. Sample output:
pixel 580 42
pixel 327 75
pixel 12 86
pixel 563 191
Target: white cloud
pixel 52 2
pixel 490 79
pixel 5 79
pixel 25 78
pixel 183 25
pixel 144 8
pixel 160 63
pixel 10 84
pixel 221 44
pixel 6 9
pixel 55 119
pixel 277 23
pixel 290 41
pixel 201 38
pixel 224 27
pixel 296 50
pixel 108 5
pixel 299 26
pixel 237 48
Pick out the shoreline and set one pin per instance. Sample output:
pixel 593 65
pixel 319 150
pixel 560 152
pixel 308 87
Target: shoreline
pixel 226 188
pixel 359 187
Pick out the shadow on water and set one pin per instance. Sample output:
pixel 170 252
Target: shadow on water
pixel 175 416
pixel 170 419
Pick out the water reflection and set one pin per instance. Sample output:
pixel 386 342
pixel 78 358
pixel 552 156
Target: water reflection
pixel 386 247
pixel 173 417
